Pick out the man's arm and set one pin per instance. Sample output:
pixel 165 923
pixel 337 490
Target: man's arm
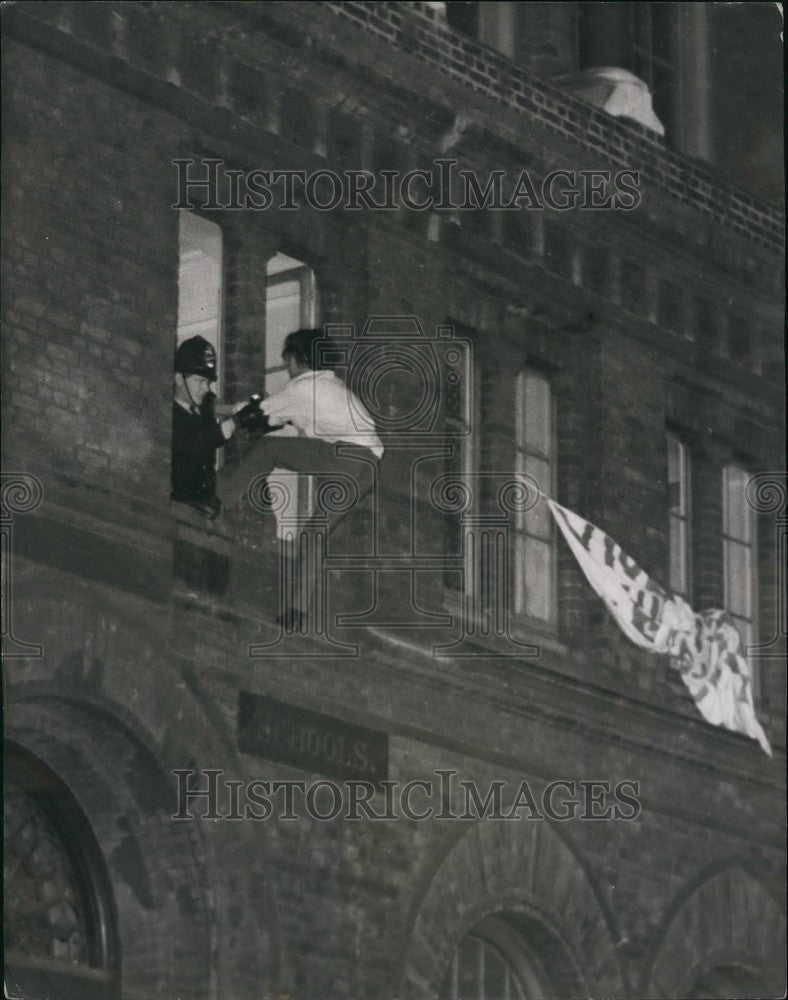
pixel 293 404
pixel 248 415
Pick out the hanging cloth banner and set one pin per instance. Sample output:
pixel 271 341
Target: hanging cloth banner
pixel 704 647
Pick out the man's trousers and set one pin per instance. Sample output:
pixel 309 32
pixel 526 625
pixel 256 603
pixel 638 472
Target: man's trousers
pixel 344 474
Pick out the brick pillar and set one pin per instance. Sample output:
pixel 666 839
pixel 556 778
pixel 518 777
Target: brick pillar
pixel 605 35
pixel 342 277
pixel 247 248
pixel 575 415
pixel 332 307
pixel 546 40
pixel 571 468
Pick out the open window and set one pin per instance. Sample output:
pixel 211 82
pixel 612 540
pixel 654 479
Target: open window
pixel 291 303
pixel 200 283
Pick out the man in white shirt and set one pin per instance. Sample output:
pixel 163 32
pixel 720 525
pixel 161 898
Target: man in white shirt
pixel 336 437
pixel 319 404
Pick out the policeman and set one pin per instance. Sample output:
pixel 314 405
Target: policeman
pixel 196 433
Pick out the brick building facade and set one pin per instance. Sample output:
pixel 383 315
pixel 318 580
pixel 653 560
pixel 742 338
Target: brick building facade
pixel 630 359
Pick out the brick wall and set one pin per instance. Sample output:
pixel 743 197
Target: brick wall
pixel 91 258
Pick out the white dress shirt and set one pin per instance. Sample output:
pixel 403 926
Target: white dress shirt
pixel 320 405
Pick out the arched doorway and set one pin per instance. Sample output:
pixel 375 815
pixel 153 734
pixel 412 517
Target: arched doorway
pixel 60 930
pixel 113 894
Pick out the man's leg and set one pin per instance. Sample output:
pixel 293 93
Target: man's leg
pixel 310 455
pixel 339 491
pixel 345 475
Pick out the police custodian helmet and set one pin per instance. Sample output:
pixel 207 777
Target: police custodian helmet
pixel 196 356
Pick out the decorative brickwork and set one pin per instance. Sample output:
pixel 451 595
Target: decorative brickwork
pixel 550 882
pixel 729 907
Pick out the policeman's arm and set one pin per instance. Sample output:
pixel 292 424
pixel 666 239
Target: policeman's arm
pixel 250 416
pixel 224 410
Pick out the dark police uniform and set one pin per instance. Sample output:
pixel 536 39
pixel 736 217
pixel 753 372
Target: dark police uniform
pixel 195 438
pixel 195 433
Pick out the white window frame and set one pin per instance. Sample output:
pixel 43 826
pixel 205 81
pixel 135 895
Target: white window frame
pixel 535 525
pixel 206 261
pixel 680 518
pixel 465 437
pixel 747 540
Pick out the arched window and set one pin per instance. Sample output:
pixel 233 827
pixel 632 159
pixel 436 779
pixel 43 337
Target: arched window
pixel 493 962
pixel 59 929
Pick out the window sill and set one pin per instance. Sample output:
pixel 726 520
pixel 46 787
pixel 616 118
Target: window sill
pixel 545 634
pixel 524 631
pixel 193 527
pixel 228 534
